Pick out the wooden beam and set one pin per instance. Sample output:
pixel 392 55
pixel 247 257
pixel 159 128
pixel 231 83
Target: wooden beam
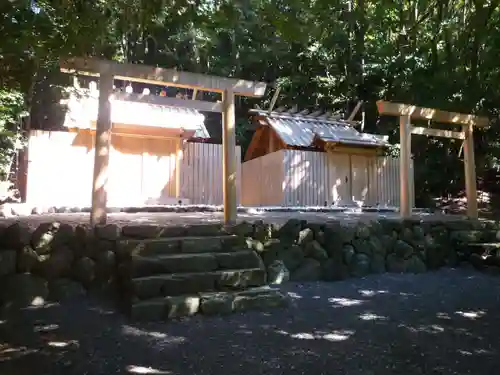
pixel 161 76
pixel 229 157
pixel 437 132
pixel 404 166
pixel 274 99
pixel 316 113
pixel 198 105
pixel 470 172
pixel 355 111
pixel 178 166
pixel 420 113
pixel 101 157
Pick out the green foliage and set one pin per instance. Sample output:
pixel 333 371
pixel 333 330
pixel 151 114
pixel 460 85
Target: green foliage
pixel 325 53
pixel 11 111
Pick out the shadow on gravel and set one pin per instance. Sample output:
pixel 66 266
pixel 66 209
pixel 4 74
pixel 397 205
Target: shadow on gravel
pixel 438 323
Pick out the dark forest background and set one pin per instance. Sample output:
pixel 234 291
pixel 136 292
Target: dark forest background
pixel 324 54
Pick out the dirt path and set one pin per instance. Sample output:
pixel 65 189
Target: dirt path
pixel 436 323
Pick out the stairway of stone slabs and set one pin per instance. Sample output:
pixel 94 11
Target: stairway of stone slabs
pixel 481 249
pixel 173 277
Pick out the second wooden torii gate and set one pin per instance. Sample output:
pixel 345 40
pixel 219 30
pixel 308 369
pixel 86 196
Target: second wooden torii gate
pixel 408 112
pixel 107 71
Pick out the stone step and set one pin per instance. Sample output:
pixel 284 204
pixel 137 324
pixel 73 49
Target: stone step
pixel 193 262
pixel 482 249
pixel 207 303
pixel 189 283
pixel 473 236
pixel 175 245
pixel 261 298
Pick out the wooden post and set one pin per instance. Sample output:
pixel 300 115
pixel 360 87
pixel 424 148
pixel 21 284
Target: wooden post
pixel 229 157
pixel 102 146
pixel 404 165
pixel 470 172
pixel 178 166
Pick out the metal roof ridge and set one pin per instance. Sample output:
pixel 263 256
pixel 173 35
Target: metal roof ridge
pixel 300 117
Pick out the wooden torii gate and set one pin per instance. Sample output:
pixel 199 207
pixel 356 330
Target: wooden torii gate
pixel 107 71
pixel 408 112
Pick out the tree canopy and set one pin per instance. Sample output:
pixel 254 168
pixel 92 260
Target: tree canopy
pixel 323 53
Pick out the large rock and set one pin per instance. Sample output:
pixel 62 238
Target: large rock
pixel 360 265
pixel 395 264
pixel 415 265
pixel 362 231
pixel 402 249
pixel 216 303
pixel 309 270
pixel 406 235
pixel 418 233
pixel 289 232
pixel 110 232
pixel 181 306
pixel 27 259
pixel 388 241
pixel 348 253
pixel 17 235
pixel 7 262
pixel 84 271
pixel 203 230
pixel 250 300
pixel 263 232
pixel 362 246
pixel 243 229
pixel 314 250
pixel 24 290
pixel 375 228
pixel 64 289
pixel 466 236
pixel 320 237
pixel 50 236
pixel 389 226
pixel 292 257
pixel 305 237
pixel 55 265
pixel 83 235
pixel 377 264
pixel 277 273
pixel 377 247
pixel 334 269
pixel 105 265
pixel 477 261
pixel 136 231
pixel 336 235
pixel 269 251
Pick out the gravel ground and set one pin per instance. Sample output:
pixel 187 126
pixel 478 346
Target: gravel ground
pixel 436 323
pixel 190 218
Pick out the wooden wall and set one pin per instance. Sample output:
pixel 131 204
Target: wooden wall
pixel 306 178
pixel 262 180
pixel 201 177
pixel 141 170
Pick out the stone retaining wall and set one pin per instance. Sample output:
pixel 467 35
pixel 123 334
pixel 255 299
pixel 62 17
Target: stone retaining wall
pixel 338 250
pixel 57 260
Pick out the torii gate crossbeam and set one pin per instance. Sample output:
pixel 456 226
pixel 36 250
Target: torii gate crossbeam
pixel 107 71
pixel 408 112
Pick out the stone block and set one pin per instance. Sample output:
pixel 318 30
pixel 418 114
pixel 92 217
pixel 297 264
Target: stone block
pixel 176 263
